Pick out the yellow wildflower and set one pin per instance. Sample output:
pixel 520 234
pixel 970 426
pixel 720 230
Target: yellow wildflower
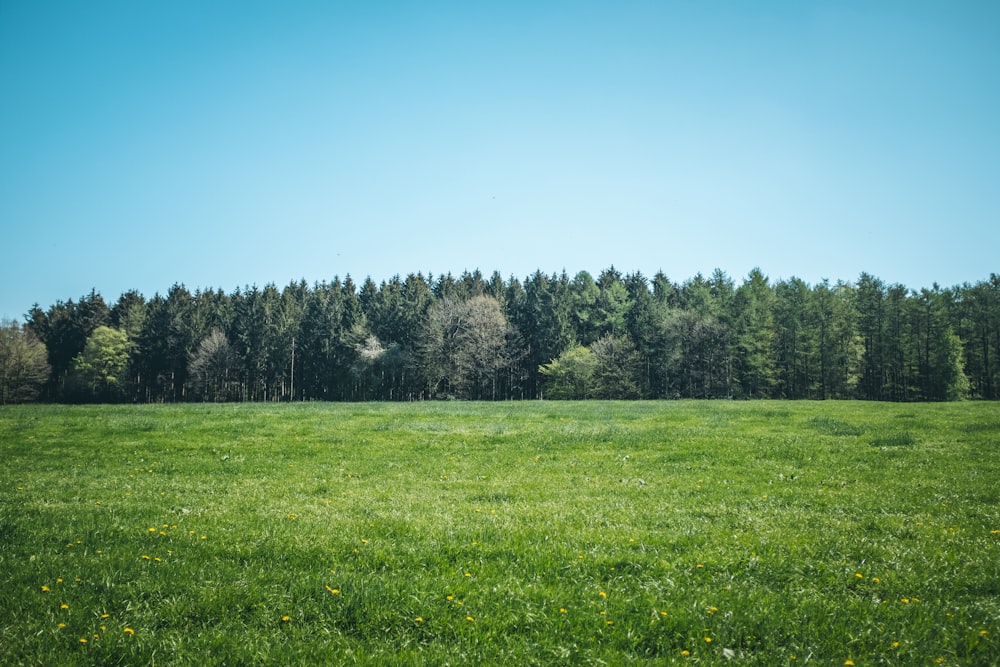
pixel 129 631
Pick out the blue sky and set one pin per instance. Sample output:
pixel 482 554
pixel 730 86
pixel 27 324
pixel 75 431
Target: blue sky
pixel 221 144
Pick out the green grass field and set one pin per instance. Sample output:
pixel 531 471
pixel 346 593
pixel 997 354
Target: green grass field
pixel 757 533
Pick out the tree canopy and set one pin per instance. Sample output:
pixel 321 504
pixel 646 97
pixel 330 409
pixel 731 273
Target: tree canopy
pixel 551 336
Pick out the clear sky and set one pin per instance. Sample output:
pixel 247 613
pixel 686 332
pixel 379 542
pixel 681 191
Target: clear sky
pixel 222 144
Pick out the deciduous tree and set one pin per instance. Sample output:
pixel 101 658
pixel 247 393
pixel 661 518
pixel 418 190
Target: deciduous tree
pixel 24 366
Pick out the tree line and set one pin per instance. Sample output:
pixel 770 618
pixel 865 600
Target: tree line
pixel 487 338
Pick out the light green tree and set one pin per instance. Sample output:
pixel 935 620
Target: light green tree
pixel 100 370
pixel 571 374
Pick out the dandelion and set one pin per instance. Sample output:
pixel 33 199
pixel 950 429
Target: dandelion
pixel 610 622
pixel 663 613
pixel 152 530
pixel 286 618
pixel 708 640
pixel 468 574
pixel 449 598
pixel 59 580
pixel 859 575
pixel 700 566
pixel 83 640
pixel 105 615
pixel 685 653
pixel 203 537
pixel 45 589
pixel 145 557
pixel 983 633
pixel 562 610
pixel 995 532
pixel 711 610
pixel 905 600
pixel 876 579
pixel 61 626
pixel 418 620
pixel 849 663
pixel 64 606
pixel 603 594
pixel 470 619
pixel 129 631
pixel 895 644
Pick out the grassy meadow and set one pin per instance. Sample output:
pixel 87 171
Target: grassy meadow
pixel 753 533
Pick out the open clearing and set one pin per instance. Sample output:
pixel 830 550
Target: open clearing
pixel 501 533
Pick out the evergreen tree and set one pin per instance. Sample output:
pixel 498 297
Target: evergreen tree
pixel 794 340
pixel 754 336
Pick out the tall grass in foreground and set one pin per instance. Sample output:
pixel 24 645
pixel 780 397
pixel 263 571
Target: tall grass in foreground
pixel 530 533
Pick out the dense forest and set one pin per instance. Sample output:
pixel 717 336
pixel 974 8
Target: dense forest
pixel 550 336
